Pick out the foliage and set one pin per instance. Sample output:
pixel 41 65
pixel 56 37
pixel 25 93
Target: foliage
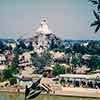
pixel 93 48
pixel 94 63
pixel 9 71
pixel 15 60
pixel 58 69
pixel 96 22
pixel 77 48
pixel 13 68
pixel 2 79
pixel 96 14
pixel 2 46
pixel 22 44
pixel 30 46
pixel 41 61
pixel 76 60
pixel 68 70
pixel 96 2
pixel 13 81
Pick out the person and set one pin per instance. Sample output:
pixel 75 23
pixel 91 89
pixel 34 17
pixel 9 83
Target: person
pixel 62 81
pixel 18 89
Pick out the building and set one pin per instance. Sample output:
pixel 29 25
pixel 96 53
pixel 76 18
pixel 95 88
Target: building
pixel 2 62
pixel 2 59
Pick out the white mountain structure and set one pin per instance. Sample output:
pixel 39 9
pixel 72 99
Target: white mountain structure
pixel 42 44
pixel 44 38
pixel 43 28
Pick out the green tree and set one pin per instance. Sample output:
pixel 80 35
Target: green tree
pixel 2 79
pixel 7 73
pixel 94 63
pixel 16 60
pixel 96 14
pixel 76 60
pixel 97 3
pixel 41 61
pixel 96 22
pixel 58 69
pixel 13 81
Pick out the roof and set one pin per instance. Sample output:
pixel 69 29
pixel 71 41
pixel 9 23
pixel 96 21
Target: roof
pixel 86 57
pixel 26 78
pixel 80 76
pixel 2 67
pixel 48 68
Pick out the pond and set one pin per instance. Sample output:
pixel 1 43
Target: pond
pixel 13 96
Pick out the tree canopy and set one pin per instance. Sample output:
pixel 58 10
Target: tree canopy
pixel 58 69
pixel 96 14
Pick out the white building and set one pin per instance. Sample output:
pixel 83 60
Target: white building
pixel 2 62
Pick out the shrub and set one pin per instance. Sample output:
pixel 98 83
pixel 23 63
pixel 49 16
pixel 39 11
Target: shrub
pixel 58 69
pixel 13 81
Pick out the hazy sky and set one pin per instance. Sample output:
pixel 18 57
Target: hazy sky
pixel 68 19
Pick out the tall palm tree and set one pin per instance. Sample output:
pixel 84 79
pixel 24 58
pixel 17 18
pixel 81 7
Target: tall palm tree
pixel 96 22
pixel 96 2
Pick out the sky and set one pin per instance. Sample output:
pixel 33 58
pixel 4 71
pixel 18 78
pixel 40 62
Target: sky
pixel 68 19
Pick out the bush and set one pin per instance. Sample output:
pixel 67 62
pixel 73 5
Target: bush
pixel 2 79
pixel 58 69
pixel 7 73
pixel 12 81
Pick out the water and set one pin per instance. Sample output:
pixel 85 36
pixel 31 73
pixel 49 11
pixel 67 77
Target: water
pixel 12 96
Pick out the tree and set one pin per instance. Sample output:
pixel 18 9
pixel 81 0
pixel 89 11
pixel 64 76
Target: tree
pixel 16 60
pixel 94 63
pixel 96 2
pixel 7 73
pixel 22 44
pixel 93 47
pixel 76 60
pixel 58 69
pixel 41 61
pixel 2 47
pixel 96 14
pixel 96 22
pixel 76 47
pixel 30 46
pixel 10 48
pixel 13 81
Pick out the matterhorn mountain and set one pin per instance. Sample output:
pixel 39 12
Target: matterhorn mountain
pixel 44 38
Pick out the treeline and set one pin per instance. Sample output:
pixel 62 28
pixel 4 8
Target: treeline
pixel 92 47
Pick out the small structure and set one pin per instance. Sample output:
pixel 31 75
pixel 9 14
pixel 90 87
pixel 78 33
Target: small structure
pixel 57 55
pixel 86 57
pixel 2 62
pixel 79 76
pixel 23 62
pixel 49 70
pixel 25 78
pixel 82 70
pixel 2 59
